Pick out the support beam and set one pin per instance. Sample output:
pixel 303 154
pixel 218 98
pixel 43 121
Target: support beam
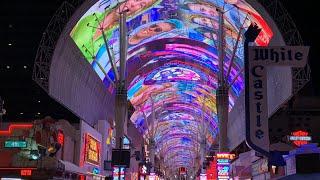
pixel 121 114
pixel 222 95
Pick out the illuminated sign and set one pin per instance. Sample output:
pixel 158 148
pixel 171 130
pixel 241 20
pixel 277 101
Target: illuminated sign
pixel 125 143
pixel 118 173
pixel 110 135
pixel 212 169
pixel 15 144
pixel 182 170
pixel 60 137
pixel 223 164
pixel 12 127
pixel 144 169
pixel 26 172
pixel 146 151
pixel 152 176
pixel 95 170
pixel 259 59
pixel 225 156
pixel 203 176
pixel 92 150
pixel 223 161
pixel 300 137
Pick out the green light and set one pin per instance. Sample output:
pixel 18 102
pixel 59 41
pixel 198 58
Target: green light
pixel 15 144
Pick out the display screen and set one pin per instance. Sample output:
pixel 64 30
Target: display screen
pixel 172 63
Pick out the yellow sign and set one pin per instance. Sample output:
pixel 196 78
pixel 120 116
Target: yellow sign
pixel 92 150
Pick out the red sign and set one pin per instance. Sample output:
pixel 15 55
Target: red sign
pixel 300 137
pixel 12 127
pixel 212 170
pixel 26 172
pixel 92 150
pixel 60 137
pixel 182 170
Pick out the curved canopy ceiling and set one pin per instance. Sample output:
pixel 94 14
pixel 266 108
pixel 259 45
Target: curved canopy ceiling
pixel 172 64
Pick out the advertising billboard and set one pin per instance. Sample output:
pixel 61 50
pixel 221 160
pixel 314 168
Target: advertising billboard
pixel 92 150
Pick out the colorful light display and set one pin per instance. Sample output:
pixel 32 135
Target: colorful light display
pixel 118 173
pixel 300 138
pixel 92 150
pixel 223 165
pixel 172 62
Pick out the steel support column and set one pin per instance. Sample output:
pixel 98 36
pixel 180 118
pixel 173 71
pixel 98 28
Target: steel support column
pixel 222 110
pixel 121 109
pixel 222 96
pixel 203 153
pixel 152 150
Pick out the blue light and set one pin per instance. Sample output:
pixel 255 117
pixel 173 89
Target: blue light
pixel 96 170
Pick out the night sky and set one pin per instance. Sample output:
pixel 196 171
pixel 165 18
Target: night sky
pixel 21 28
pixel 306 16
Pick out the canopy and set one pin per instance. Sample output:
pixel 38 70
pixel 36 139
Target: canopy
pixel 172 64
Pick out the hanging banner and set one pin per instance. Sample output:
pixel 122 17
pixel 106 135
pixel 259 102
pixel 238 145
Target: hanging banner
pixel 259 58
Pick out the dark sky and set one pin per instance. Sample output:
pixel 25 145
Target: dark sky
pixel 21 26
pixel 306 16
pixel 23 22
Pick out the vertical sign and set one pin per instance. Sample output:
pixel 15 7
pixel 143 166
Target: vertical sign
pixel 258 104
pixel 92 150
pixel 257 116
pixel 223 165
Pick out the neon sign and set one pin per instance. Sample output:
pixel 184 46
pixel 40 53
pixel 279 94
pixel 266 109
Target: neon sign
pixel 15 126
pixel 223 164
pixel 118 173
pixel 96 170
pixel 92 150
pixel 225 156
pixel 300 138
pixel 60 137
pixel 26 172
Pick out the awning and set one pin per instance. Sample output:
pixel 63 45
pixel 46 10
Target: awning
pixel 70 167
